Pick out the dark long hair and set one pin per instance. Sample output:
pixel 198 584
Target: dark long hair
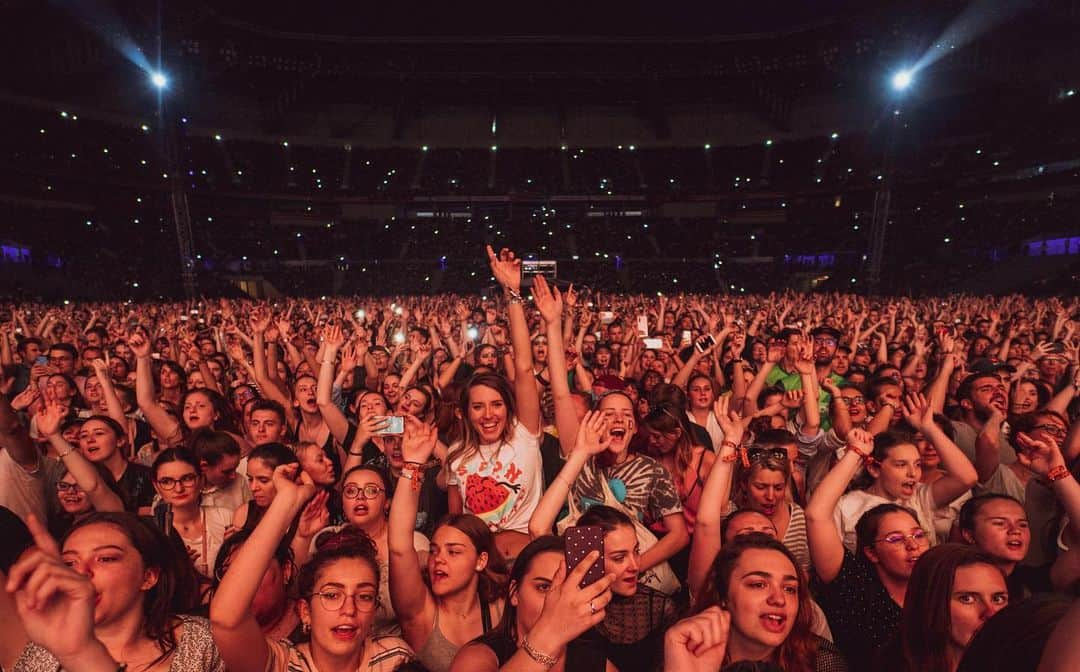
pixel 493 578
pixel 546 544
pixel 226 419
pixel 927 618
pixel 1014 639
pixel 799 650
pixel 176 590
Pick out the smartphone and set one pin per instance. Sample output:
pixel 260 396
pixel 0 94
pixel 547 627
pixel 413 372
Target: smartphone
pixel 42 360
pixel 705 342
pixel 395 424
pixel 643 326
pixel 530 269
pixel 580 541
pixel 472 333
pixel 686 338
pixel 653 343
pixel 606 317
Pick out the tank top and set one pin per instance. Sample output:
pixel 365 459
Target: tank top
pixel 438 652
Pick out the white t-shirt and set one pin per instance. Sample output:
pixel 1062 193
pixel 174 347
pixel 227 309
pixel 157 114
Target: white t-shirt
pixel 854 504
pixel 22 489
pixel 502 483
pixel 716 435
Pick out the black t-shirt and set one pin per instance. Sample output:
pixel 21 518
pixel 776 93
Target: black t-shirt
pixel 137 484
pixel 553 461
pixel 862 615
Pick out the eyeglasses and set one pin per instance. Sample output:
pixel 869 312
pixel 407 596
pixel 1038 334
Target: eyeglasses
pixel 824 340
pixel 848 401
pixel 369 491
pixel 1053 430
pixel 61 358
pixel 187 480
pixel 334 600
pixel 758 454
pixel 64 486
pixel 917 537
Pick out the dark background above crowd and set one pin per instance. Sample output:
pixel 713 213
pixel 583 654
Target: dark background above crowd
pixel 324 153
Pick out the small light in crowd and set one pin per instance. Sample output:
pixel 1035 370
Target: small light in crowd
pixel 243 258
pixel 399 337
pixel 997 163
pixel 299 235
pixel 135 284
pixel 562 147
pixel 105 150
pixel 159 79
pixel 144 128
pixel 494 148
pixel 183 120
pixel 275 251
pixel 67 303
pixel 978 152
pixel 834 136
pixel 708 146
pixel 948 240
pixel 424 148
pixel 63 114
pixel 217 136
pixel 853 281
pixel 41 131
pixel 768 142
pixel 142 162
pixel 632 148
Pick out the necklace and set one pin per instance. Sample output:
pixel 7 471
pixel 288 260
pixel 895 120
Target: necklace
pixel 484 459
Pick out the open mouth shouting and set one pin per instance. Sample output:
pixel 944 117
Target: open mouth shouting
pixel 774 622
pixel 346 632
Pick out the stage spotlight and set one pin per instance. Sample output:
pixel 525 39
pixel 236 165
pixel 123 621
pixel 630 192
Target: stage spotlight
pixel 902 79
pixel 159 79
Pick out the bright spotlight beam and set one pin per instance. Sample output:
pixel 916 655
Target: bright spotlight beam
pixel 159 79
pixel 902 79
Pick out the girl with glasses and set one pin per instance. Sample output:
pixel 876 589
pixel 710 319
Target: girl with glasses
pixel 366 503
pixel 861 592
pixel 181 513
pixel 82 487
pixel 339 596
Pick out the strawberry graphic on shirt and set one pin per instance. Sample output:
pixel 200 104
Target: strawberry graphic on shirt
pixel 487 498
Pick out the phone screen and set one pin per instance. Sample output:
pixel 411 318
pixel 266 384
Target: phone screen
pixel 580 541
pixel 395 425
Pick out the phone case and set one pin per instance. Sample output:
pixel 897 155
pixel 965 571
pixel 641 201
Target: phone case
pixel 580 541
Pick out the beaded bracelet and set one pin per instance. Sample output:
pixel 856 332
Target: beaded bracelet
pixel 1057 473
pixel 542 658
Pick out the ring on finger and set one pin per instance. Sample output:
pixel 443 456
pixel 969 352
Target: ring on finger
pixel 592 608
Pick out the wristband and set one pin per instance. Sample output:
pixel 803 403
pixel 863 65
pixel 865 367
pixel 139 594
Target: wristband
pixel 542 658
pixel 1057 473
pixel 64 454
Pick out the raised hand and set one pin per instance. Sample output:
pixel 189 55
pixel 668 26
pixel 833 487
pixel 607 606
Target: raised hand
pixel 775 352
pixel 792 399
pixel 27 398
pixel 139 344
pixel 861 441
pixel 506 268
pixel 418 443
pixel 1038 455
pixel 698 643
pixel 730 422
pixel 315 515
pixel 592 437
pixel 804 364
pixel 918 412
pixel 548 302
pixel 333 339
pixel 259 321
pixel 50 417
pixel 569 609
pixel 55 603
pixel 292 484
